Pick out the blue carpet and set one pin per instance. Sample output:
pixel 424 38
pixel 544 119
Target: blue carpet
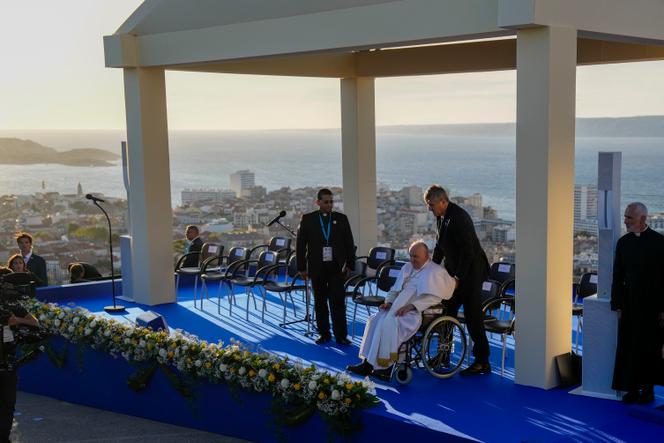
pixel 485 408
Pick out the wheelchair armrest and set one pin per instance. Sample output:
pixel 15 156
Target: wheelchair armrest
pixel 178 265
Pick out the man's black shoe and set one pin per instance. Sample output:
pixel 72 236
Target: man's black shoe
pixel 383 374
pixel 647 396
pixel 344 341
pixel 476 369
pixel 362 369
pixel 631 397
pixel 323 339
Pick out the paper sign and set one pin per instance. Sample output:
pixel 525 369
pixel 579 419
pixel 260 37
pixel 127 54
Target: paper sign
pixel 394 273
pixel 504 268
pixel 381 255
pixel 280 241
pixel 593 278
pixel 212 249
pixel 239 252
pixel 486 286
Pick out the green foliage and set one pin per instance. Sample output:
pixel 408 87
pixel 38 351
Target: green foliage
pixel 90 233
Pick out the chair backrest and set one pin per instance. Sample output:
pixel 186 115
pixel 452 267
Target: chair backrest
pixel 378 255
pixel 278 243
pixel 387 277
pixel 210 250
pixel 587 285
pixel 490 290
pixel 292 266
pixel 267 258
pixel 19 278
pixel 502 272
pixel 237 253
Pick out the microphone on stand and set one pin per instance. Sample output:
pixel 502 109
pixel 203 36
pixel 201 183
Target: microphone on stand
pixel 94 199
pixel 275 219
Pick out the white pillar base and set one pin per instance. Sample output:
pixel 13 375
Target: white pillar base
pixel 600 329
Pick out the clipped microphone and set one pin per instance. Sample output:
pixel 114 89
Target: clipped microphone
pixel 276 219
pixel 94 199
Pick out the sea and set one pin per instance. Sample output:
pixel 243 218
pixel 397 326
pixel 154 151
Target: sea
pixel 298 158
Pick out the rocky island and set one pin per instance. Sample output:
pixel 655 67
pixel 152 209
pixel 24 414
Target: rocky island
pixel 16 151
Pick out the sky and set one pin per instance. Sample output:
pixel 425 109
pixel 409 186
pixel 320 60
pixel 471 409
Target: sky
pixel 52 76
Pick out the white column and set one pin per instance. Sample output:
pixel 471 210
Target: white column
pixel 149 179
pixel 358 142
pixel 546 79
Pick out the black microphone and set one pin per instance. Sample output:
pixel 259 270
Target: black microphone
pixel 93 198
pixel 276 219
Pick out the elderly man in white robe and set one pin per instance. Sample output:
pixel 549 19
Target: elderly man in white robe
pixel 420 285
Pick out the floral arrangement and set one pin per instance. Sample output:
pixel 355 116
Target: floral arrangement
pixel 299 390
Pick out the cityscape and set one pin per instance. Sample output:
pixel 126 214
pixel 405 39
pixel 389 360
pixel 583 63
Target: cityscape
pixel 67 228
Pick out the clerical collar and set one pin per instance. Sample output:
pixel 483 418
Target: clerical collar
pixel 638 234
pixel 324 214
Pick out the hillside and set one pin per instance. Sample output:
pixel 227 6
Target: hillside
pixel 16 151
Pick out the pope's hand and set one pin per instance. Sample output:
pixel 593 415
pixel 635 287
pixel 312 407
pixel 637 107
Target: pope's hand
pixel 385 306
pixel 404 310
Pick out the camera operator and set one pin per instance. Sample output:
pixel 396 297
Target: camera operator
pixel 12 315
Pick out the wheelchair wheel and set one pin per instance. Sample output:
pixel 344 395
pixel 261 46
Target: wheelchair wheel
pixel 443 347
pixel 403 374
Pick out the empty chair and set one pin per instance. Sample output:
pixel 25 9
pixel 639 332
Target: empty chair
pixel 208 250
pixel 238 274
pixel 214 269
pixel 368 266
pixel 490 291
pixel 502 321
pixel 587 286
pixel 280 245
pixel 285 287
pixel 504 273
pixel 364 292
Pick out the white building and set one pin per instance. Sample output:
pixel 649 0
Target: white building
pixel 585 208
pixel 242 182
pixel 190 196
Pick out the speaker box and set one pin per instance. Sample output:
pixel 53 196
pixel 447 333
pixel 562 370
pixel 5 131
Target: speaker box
pixel 569 368
pixel 152 320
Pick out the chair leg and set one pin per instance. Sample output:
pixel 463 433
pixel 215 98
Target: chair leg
pixel 576 339
pixel 248 295
pixel 177 284
pixel 219 298
pixel 196 292
pixel 264 292
pixel 354 314
pixel 502 362
pixel 293 302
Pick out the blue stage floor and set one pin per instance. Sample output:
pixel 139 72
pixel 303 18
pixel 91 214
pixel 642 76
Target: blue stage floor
pixel 485 408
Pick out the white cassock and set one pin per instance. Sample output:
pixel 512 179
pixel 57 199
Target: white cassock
pixel 385 332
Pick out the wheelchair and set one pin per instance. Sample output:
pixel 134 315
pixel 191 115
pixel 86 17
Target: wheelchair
pixel 439 347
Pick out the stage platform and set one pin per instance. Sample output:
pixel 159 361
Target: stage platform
pixel 482 408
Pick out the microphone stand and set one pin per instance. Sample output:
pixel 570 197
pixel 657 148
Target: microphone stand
pixel 114 308
pixel 307 316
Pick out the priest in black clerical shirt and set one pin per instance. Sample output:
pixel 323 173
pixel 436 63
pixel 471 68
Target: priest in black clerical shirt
pixel 637 295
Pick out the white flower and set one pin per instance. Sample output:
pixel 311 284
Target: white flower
pixel 76 320
pixel 127 341
pixel 142 343
pixel 340 382
pixel 42 317
pixel 198 363
pixel 312 385
pixel 335 395
pixel 93 323
pixel 223 367
pixel 285 383
pixel 71 328
pixel 163 353
pixel 87 331
pixel 57 322
pixel 242 371
pixel 107 333
pixel 262 373
pixel 128 332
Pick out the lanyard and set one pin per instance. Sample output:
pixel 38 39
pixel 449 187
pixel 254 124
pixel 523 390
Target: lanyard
pixel 326 234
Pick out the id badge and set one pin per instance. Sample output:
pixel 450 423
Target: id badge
pixel 327 253
pixel 7 334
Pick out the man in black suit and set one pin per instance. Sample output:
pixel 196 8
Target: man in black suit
pixel 466 261
pixel 194 244
pixel 325 251
pixel 35 263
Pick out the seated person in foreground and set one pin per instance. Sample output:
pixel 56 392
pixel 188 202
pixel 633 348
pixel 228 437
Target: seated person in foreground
pixel 420 285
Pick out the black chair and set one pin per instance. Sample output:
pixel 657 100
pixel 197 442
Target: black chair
pixel 504 273
pixel 290 283
pixel 280 245
pixel 490 291
pixel 368 266
pixel 238 274
pixel 214 269
pixel 208 250
pixel 504 319
pixel 586 287
pixel 24 282
pixel 383 283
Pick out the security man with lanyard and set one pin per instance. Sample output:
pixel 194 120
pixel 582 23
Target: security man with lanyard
pixel 11 315
pixel 325 252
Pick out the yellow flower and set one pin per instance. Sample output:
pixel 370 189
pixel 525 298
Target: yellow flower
pixel 252 373
pixel 326 381
pixel 208 364
pixel 297 386
pixel 170 354
pixel 271 378
pixel 348 401
pixel 276 367
pixel 349 386
pixel 321 396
